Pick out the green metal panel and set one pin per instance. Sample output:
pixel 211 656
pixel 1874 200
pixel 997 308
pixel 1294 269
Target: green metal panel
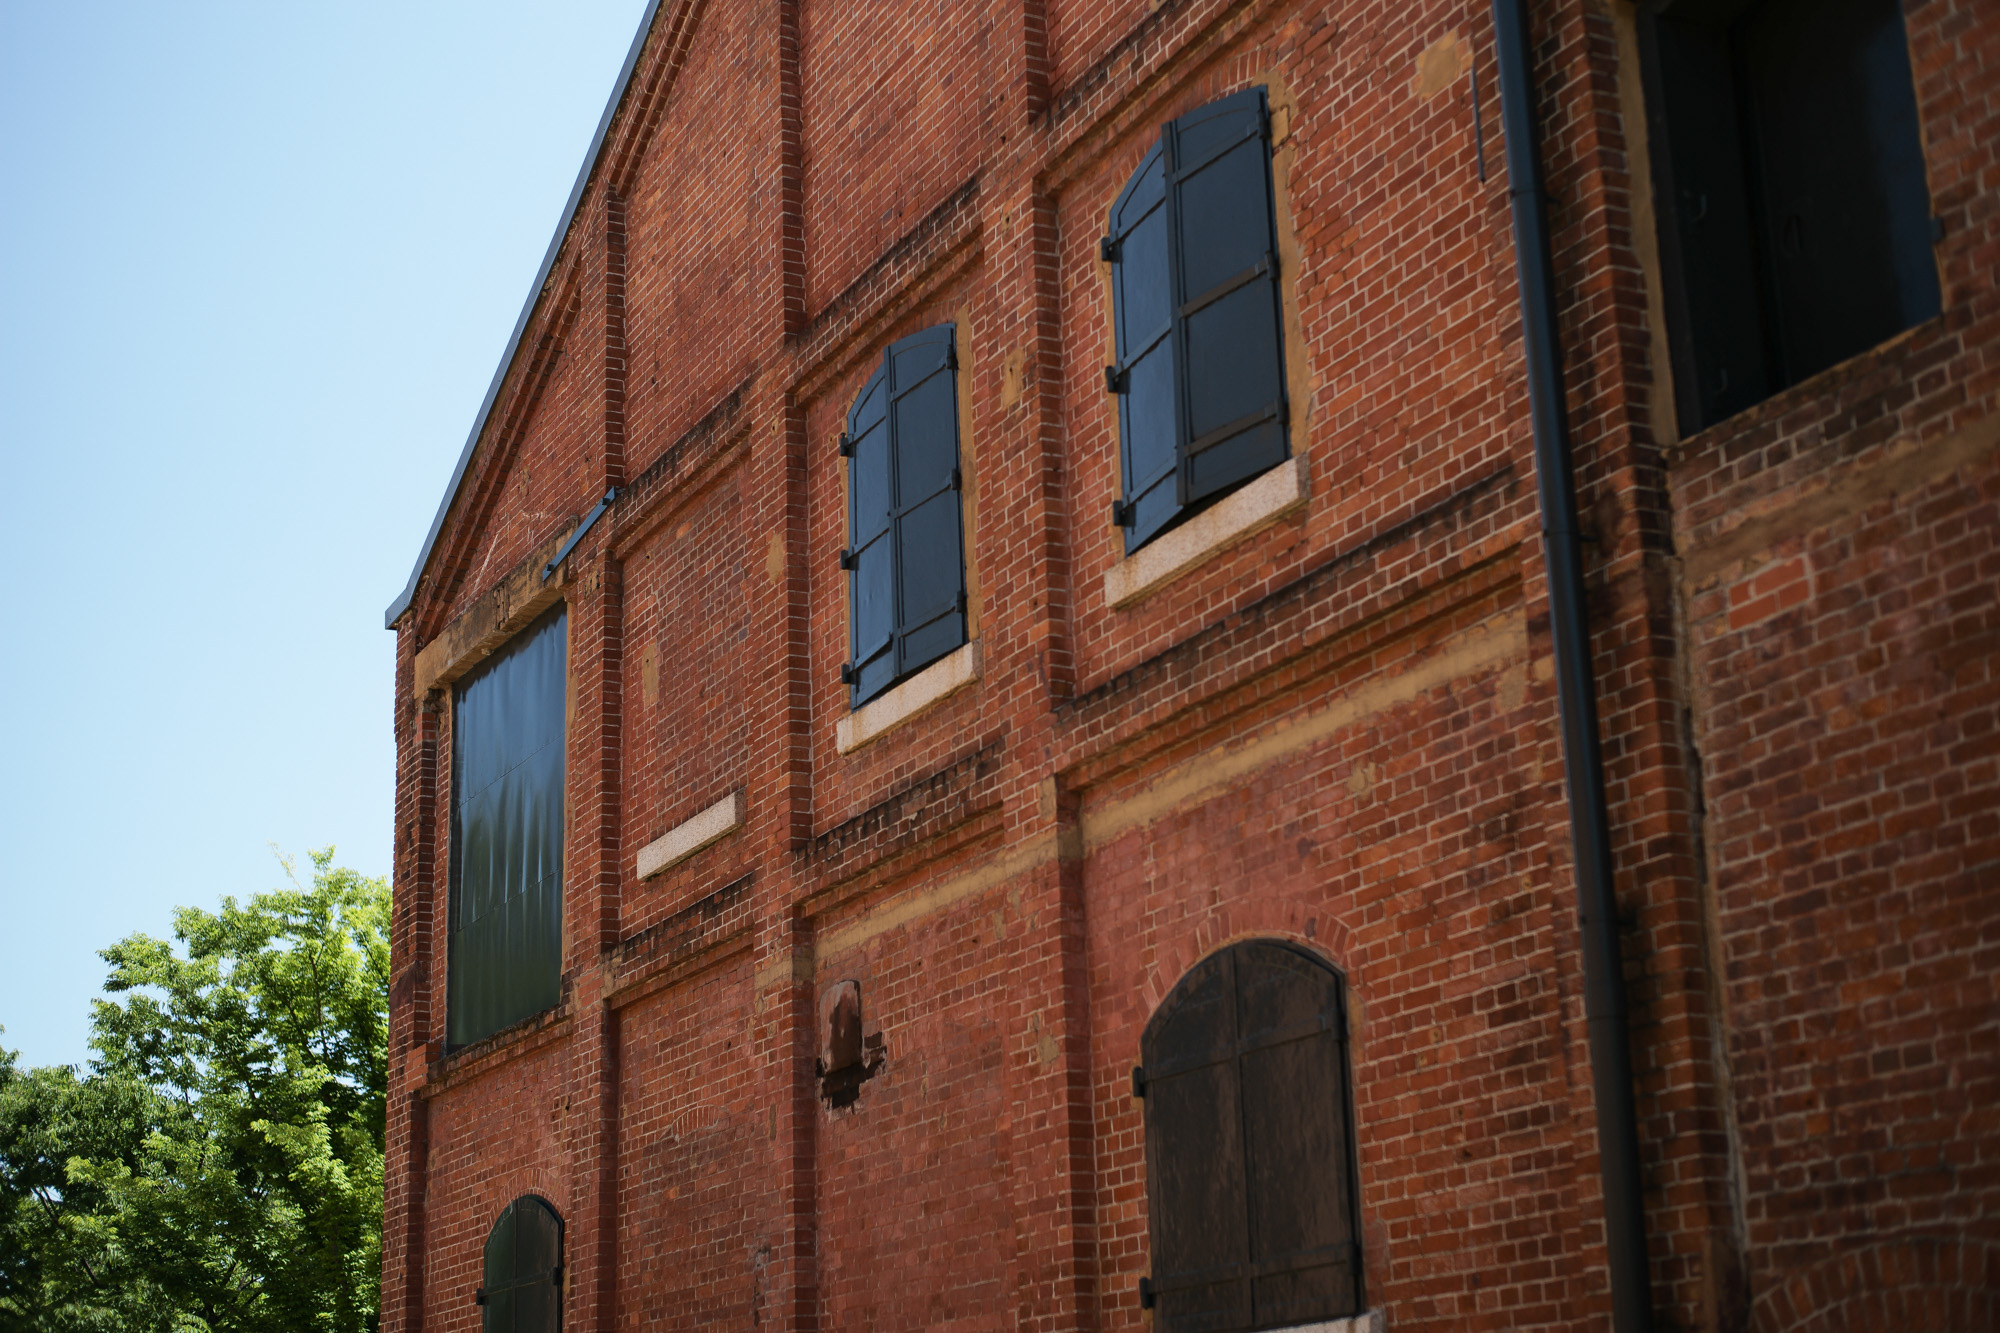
pixel 507 835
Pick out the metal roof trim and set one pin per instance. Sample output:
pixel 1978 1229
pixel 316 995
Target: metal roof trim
pixel 404 598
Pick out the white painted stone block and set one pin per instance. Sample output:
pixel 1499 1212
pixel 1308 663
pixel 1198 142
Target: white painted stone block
pixel 684 840
pixel 936 682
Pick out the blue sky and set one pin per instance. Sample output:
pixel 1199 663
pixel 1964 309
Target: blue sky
pixel 257 265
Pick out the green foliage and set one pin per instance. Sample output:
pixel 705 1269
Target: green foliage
pixel 220 1167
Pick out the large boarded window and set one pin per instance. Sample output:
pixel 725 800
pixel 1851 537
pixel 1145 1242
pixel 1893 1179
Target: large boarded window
pixel 905 553
pixel 521 1287
pixel 1194 283
pixel 1795 226
pixel 506 835
pixel 1249 1145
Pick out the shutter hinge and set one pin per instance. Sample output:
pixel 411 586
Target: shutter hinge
pixel 847 673
pixel 1139 1081
pixel 957 480
pixel 1107 249
pixel 556 1275
pixel 958 603
pixel 1121 514
pixel 1114 380
pixel 848 560
pixel 479 1295
pixel 1146 1296
pixel 951 355
pixel 846 445
pixel 1937 230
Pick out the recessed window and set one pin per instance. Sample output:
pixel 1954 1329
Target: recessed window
pixel 1794 215
pixel 507 835
pixel 521 1290
pixel 905 553
pixel 1194 281
pixel 1249 1146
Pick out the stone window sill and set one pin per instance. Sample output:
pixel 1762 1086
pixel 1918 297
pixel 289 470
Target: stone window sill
pixel 677 844
pixel 935 683
pixel 1368 1321
pixel 1235 517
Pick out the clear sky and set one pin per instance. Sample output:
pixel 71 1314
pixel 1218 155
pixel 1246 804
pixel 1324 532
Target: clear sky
pixel 258 263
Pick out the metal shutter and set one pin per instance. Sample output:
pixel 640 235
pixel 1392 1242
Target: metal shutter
pixel 1194 269
pixel 1226 289
pixel 906 551
pixel 507 835
pixel 1249 1146
pixel 522 1287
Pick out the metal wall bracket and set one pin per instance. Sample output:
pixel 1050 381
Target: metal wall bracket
pixel 589 521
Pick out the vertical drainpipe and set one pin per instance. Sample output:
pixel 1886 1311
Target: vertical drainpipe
pixel 1583 763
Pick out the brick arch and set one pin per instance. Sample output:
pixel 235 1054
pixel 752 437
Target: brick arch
pixel 1331 942
pixel 1908 1286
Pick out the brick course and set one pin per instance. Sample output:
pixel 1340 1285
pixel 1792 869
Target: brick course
pixel 1340 731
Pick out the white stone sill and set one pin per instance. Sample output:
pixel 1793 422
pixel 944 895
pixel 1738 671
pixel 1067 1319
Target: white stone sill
pixel 685 839
pixel 1368 1321
pixel 921 692
pixel 1175 552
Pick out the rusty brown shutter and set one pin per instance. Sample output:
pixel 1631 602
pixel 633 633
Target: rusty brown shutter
pixel 906 545
pixel 523 1275
pixel 1249 1145
pixel 506 835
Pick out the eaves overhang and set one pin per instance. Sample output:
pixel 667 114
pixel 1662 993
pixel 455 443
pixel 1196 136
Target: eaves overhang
pixel 409 592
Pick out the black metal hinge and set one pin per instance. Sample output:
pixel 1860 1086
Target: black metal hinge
pixel 1138 1080
pixel 847 558
pixel 1107 249
pixel 1114 380
pixel 847 673
pixel 479 1295
pixel 846 445
pixel 1146 1293
pixel 1937 230
pixel 1121 514
pixel 957 480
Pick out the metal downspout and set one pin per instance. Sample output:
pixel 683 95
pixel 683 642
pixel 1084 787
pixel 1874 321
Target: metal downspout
pixel 1583 763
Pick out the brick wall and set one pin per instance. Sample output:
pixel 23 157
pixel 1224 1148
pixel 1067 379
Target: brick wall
pixel 1340 731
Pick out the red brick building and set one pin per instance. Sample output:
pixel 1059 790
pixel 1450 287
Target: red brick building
pixel 980 721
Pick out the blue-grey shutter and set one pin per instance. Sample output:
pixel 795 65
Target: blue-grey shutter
pixel 1149 440
pixel 1227 312
pixel 1249 1145
pixel 507 835
pixel 870 557
pixel 521 1291
pixel 906 553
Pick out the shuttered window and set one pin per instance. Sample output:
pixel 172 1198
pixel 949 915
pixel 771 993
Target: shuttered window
pixel 1795 223
pixel 905 555
pixel 507 835
pixel 1194 271
pixel 1249 1146
pixel 522 1287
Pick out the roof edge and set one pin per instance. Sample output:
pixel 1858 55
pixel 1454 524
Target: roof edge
pixel 403 599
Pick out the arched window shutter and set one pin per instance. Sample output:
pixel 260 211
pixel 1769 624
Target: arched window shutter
pixel 906 552
pixel 522 1287
pixel 1226 292
pixel 1194 269
pixel 1249 1157
pixel 1138 248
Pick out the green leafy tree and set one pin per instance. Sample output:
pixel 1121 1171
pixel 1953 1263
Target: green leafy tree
pixel 220 1167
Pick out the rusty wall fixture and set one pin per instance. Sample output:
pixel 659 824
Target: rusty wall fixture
pixel 846 1058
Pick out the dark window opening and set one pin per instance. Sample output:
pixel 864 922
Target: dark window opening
pixel 1250 1146
pixel 507 835
pixel 521 1287
pixel 1794 214
pixel 905 553
pixel 1194 283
